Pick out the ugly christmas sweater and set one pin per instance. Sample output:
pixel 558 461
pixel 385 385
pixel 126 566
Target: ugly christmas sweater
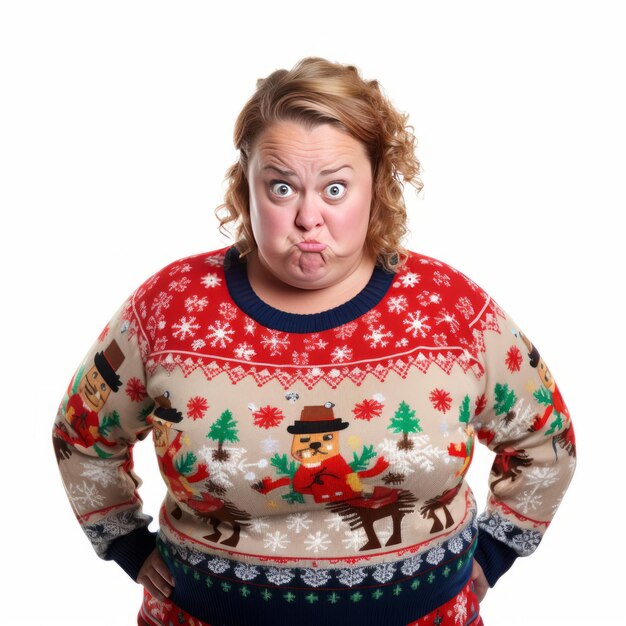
pixel 314 464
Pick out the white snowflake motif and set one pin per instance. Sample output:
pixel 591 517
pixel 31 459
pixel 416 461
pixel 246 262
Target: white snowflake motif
pixel 185 327
pixel 334 522
pixel 269 445
pixel 497 526
pixel 279 575
pixel 218 565
pixel 317 542
pixel 421 455
pixel 219 334
pixel 179 285
pixel 411 565
pixel 464 307
pixel 352 576
pixel 435 555
pixel 377 337
pixel 468 535
pixel 300 358
pixel 346 331
pixel 228 311
pixel 529 501
pixel 402 343
pixel 371 317
pixel 384 572
pixel 104 472
pixel 160 302
pixel 526 543
pixel 315 577
pixel 341 354
pixel 397 304
pixel 216 260
pixel 441 279
pixel 440 339
pixel 259 525
pixel 409 279
pixel 211 280
pixel 460 609
pixel 244 351
pixel 249 326
pixel 160 344
pixel 276 541
pixel 455 545
pixel 354 539
pixel 299 522
pixel 276 342
pixel 416 325
pixel 448 318
pixel 315 342
pixel 198 344
pixel 85 496
pixel 183 268
pixel 195 304
pixel 542 477
pixel 428 297
pixel 244 571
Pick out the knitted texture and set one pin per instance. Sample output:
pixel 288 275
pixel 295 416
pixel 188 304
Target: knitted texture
pixel 318 454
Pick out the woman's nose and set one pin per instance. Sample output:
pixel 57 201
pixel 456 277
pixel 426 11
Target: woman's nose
pixel 309 213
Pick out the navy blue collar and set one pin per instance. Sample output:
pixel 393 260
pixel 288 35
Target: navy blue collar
pixel 246 299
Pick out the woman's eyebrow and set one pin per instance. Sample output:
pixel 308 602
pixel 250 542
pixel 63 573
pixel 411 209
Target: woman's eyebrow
pixel 290 173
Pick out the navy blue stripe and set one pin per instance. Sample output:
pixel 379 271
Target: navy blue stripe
pixel 246 299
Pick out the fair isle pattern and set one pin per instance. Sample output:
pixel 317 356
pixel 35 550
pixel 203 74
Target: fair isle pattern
pixel 185 319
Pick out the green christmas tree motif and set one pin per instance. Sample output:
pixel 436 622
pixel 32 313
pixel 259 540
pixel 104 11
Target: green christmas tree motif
pixel 184 463
pixel 360 463
pixel 505 401
pixel 286 468
pixel 143 414
pixel 224 429
pixel 405 422
pixel 109 421
pixel 464 410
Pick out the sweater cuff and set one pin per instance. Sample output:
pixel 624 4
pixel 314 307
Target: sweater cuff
pixel 130 551
pixel 493 556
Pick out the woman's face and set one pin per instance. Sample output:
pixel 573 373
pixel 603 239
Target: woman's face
pixel 310 198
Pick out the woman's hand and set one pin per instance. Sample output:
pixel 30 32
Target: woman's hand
pixel 155 576
pixel 481 586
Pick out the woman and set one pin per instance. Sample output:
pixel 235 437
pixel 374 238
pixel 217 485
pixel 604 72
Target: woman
pixel 315 393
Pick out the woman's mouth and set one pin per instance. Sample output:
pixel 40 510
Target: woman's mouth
pixel 311 246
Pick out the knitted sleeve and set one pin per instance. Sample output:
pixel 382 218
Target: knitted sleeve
pixel 522 417
pixel 99 420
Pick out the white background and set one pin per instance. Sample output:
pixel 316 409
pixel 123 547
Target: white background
pixel 115 133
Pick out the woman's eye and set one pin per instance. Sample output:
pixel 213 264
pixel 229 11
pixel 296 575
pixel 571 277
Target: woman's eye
pixel 282 190
pixel 335 190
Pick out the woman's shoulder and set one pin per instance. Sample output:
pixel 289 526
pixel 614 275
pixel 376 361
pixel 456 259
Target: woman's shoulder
pixel 204 269
pixel 438 278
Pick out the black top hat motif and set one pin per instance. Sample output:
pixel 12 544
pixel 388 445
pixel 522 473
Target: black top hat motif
pixel 108 362
pixel 317 419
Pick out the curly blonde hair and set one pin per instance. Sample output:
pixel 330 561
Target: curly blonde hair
pixel 314 92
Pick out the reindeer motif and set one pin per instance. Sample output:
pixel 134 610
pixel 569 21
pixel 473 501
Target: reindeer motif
pixel 358 513
pixel 430 508
pixel 508 464
pixel 227 513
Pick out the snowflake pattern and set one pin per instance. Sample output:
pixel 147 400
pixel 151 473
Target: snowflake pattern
pixel 185 328
pixel 197 407
pixel 317 542
pixel 416 325
pixel 220 334
pixel 377 337
pixel 211 281
pixel 513 359
pixel 299 522
pixel 276 541
pixel 275 341
pixel 409 279
pixel 196 304
pixel 397 304
pixel 136 390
